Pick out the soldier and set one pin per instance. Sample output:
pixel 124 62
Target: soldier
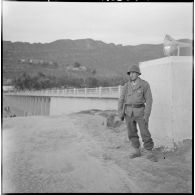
pixel 135 104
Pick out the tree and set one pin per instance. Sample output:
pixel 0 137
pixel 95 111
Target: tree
pixel 22 82
pixel 77 65
pixel 40 74
pixel 91 82
pixel 93 72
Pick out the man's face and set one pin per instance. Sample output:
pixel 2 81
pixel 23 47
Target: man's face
pixel 133 76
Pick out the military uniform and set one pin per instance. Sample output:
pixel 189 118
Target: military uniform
pixel 135 105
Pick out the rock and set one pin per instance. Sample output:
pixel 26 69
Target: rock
pixel 113 121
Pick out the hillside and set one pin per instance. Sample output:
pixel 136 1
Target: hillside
pixel 57 58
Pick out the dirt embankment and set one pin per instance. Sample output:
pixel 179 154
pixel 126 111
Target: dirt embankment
pixel 80 153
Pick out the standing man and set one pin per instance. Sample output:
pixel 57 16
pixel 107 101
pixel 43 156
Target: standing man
pixel 135 104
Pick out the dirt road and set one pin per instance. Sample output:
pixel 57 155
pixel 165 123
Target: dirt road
pixel 78 153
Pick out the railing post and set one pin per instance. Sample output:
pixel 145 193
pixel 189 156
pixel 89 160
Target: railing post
pixel 85 91
pixel 119 90
pixel 100 92
pixel 74 91
pixel 110 90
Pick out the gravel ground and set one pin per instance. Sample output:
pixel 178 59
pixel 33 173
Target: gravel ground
pixel 79 153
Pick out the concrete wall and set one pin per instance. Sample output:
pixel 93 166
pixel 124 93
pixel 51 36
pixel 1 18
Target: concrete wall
pixel 66 105
pixel 40 105
pixel 26 105
pixel 170 79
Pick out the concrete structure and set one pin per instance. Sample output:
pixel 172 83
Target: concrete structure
pixel 170 79
pixel 26 105
pixel 61 101
pixel 67 105
pixel 45 106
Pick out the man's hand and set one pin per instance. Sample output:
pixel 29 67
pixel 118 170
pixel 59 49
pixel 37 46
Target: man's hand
pixel 121 116
pixel 146 119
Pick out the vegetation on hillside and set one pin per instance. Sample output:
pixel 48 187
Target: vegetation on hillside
pixel 82 56
pixel 42 81
pixel 85 56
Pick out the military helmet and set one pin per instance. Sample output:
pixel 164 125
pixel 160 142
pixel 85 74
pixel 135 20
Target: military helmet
pixel 134 68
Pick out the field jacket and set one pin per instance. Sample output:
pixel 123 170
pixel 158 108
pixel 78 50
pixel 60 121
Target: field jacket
pixel 139 94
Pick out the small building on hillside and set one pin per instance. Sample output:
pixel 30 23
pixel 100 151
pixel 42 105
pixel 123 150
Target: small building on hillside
pixel 7 88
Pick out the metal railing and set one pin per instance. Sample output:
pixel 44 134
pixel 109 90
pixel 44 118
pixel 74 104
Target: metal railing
pixel 100 92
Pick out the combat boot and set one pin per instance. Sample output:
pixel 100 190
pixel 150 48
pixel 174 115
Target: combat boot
pixel 150 155
pixel 136 153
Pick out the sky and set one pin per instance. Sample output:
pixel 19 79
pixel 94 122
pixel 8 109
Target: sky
pixel 118 23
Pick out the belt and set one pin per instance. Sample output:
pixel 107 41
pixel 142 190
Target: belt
pixel 136 105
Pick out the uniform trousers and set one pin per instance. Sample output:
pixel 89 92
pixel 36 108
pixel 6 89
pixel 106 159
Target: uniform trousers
pixel 131 122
